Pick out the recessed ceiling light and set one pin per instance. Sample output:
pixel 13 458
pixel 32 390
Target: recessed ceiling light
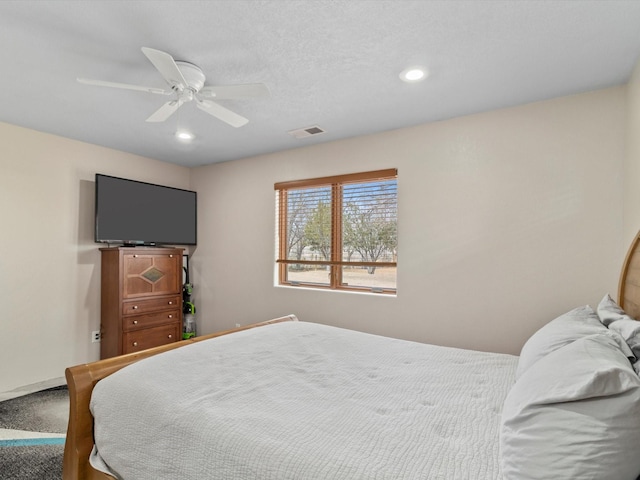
pixel 413 74
pixel 184 136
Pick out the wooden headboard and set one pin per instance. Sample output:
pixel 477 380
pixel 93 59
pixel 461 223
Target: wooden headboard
pixel 82 378
pixel 629 285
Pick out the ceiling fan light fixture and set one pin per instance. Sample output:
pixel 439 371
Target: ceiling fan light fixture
pixel 413 74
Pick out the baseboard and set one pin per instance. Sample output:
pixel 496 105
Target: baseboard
pixel 34 387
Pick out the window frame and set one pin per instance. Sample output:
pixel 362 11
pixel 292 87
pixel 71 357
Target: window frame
pixel 336 182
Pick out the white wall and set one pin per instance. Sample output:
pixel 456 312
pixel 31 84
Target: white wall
pixel 50 265
pixel 506 219
pixel 631 205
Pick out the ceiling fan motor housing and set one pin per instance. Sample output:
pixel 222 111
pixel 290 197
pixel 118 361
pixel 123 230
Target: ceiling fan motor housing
pixel 192 74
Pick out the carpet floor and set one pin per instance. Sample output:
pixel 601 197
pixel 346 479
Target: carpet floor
pixel 32 431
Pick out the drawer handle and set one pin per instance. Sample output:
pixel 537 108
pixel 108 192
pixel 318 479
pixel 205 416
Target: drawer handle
pixel 170 316
pixel 135 256
pixel 135 307
pixel 169 336
pixel 170 256
pixel 135 344
pixel 170 303
pixel 135 322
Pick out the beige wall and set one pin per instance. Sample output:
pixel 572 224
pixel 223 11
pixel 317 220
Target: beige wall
pixel 50 265
pixel 631 204
pixel 506 219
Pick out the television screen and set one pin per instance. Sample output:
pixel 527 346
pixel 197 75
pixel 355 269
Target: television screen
pixel 139 213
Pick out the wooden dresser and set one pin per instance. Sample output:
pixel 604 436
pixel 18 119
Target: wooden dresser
pixel 141 300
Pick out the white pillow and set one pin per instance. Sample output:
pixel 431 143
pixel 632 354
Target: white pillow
pixel 619 321
pixel 559 332
pixel 630 331
pixel 609 311
pixel 574 414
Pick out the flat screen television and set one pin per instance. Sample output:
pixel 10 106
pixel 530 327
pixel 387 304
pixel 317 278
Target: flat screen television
pixel 139 213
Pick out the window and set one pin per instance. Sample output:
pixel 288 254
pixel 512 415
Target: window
pixel 338 232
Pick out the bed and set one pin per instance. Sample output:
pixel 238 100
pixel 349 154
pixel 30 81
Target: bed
pixel 288 399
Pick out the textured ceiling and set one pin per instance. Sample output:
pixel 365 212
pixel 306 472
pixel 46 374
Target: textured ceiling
pixel 332 63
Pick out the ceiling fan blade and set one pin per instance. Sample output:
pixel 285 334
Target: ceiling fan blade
pixel 222 113
pixel 166 65
pixel 252 90
pixel 126 86
pixel 165 111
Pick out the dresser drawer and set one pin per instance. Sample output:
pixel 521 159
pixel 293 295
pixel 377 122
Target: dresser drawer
pixel 149 305
pixel 150 337
pixel 136 322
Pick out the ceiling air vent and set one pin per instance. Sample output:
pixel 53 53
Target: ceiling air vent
pixel 306 132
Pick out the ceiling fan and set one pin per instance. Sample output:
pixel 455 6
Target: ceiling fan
pixel 186 82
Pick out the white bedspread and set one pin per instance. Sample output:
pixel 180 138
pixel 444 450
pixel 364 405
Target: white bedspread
pixel 303 401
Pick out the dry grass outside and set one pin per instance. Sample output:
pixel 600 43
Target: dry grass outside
pixel 383 277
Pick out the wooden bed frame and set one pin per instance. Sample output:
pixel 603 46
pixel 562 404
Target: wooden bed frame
pixel 629 285
pixel 82 378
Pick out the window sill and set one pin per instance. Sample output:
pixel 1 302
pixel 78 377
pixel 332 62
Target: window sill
pixel 331 290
